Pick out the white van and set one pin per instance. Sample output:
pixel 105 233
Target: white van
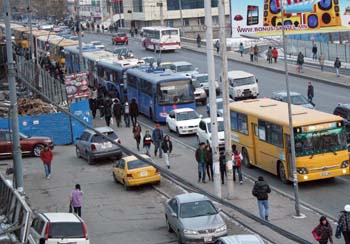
pixel 242 85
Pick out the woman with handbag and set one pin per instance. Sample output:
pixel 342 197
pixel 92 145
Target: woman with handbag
pixel 344 225
pixel 323 232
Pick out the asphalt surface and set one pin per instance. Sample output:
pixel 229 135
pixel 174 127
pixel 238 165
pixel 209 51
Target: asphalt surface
pixel 328 195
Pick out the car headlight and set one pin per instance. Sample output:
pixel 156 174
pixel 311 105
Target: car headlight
pixel 221 229
pixel 190 232
pixel 302 171
pixel 344 164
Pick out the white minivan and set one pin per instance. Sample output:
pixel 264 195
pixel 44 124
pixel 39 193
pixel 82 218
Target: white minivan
pixel 242 84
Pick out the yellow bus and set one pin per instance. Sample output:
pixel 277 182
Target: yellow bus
pixel 260 129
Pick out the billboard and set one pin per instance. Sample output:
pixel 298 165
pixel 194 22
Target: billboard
pixel 77 86
pixel 264 17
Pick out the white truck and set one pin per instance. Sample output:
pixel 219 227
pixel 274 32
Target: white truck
pixel 243 85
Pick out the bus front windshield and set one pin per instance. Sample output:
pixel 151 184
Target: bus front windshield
pixel 175 92
pixel 311 143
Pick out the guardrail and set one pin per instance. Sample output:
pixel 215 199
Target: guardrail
pixel 15 211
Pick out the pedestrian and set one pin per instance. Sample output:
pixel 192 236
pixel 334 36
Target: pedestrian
pixel 269 55
pixel 167 147
pixel 209 162
pixel 76 199
pixel 300 62
pixel 256 52
pixel 222 160
pixel 323 232
pixel 93 103
pixel 108 110
pixel 314 52
pixel 275 54
pixel 237 164
pixel 136 31
pixel 321 59
pixel 217 46
pixel 117 112
pixel 103 28
pixel 147 141
pixel 199 40
pixel 310 93
pixel 200 157
pixel 101 99
pixel 46 156
pixel 98 28
pixel 93 26
pixel 157 138
pixel 134 111
pixel 344 224
pixel 241 49
pixel 126 112
pixel 261 190
pixel 137 135
pixel 251 52
pixel 337 65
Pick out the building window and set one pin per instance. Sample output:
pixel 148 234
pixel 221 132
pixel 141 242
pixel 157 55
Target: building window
pixel 137 6
pixel 201 20
pixel 215 20
pixel 186 22
pixel 188 4
pixel 170 23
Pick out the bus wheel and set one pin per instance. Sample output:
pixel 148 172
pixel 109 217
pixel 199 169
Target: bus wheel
pixel 246 160
pixel 282 173
pixel 150 114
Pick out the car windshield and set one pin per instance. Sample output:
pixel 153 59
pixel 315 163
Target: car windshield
pixel 317 142
pixel 121 35
pixel 174 92
pixel 243 81
pixel 296 99
pixel 185 68
pixel 66 230
pixel 202 79
pixel 187 115
pixel 137 163
pixel 197 209
pixel 220 126
pixel 100 139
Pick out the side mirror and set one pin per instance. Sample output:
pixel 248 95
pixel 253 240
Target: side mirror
pixel 257 81
pixel 174 214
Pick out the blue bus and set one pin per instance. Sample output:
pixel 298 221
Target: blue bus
pixel 157 92
pixel 111 73
pixel 71 54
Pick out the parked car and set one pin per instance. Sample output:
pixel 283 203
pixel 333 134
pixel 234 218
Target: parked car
pixel 184 68
pixel 219 106
pixel 203 79
pixel 131 171
pixel 240 239
pixel 93 146
pixel 183 121
pixel 296 98
pixel 98 44
pixel 204 132
pixel 194 218
pixel 32 145
pixel 242 85
pixel 120 38
pixel 58 228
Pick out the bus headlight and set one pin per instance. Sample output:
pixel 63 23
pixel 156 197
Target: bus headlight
pixel 302 171
pixel 345 164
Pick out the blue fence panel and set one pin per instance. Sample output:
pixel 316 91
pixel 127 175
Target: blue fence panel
pixel 82 111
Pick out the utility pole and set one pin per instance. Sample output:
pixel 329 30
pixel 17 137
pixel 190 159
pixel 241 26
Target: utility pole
pixel 16 146
pixel 120 14
pixel 78 25
pixel 212 97
pixel 31 44
pixel 160 5
pixel 225 98
pixel 292 143
pixel 181 16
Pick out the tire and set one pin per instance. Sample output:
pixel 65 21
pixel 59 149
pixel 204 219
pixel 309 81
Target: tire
pixel 246 160
pixel 282 173
pixel 170 230
pixel 77 152
pixel 115 179
pixel 89 159
pixel 37 149
pixel 150 114
pixel 179 238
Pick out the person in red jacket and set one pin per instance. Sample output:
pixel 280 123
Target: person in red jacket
pixel 46 156
pixel 275 54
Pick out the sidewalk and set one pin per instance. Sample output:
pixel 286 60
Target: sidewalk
pixel 282 209
pixel 308 73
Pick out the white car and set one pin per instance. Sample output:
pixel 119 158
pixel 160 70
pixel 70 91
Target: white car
pixel 203 80
pixel 58 228
pixel 184 68
pixel 240 239
pixel 204 132
pixel 98 44
pixel 183 121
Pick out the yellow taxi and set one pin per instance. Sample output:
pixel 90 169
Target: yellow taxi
pixel 131 171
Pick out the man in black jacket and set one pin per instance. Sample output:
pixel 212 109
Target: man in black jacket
pixel 134 112
pixel 310 93
pixel 261 190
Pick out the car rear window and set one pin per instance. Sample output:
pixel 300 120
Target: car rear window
pixel 100 139
pixel 122 35
pixel 137 164
pixel 66 230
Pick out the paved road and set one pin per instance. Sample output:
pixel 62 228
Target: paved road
pixel 327 195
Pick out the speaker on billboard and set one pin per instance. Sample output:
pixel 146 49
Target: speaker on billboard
pixel 290 19
pixel 328 13
pixel 271 13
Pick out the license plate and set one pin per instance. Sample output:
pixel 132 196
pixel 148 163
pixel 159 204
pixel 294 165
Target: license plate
pixel 144 173
pixel 208 239
pixel 325 173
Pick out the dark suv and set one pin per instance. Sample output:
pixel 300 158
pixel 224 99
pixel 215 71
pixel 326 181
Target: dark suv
pixel 343 110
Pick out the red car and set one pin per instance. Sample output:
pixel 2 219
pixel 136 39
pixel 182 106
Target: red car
pixel 120 38
pixel 29 145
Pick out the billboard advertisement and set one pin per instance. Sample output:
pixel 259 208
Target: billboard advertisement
pixel 77 86
pixel 264 17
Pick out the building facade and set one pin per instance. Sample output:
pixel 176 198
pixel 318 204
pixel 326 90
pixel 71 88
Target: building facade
pixel 185 14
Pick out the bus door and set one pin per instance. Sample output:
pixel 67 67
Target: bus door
pixel 254 138
pixel 288 156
